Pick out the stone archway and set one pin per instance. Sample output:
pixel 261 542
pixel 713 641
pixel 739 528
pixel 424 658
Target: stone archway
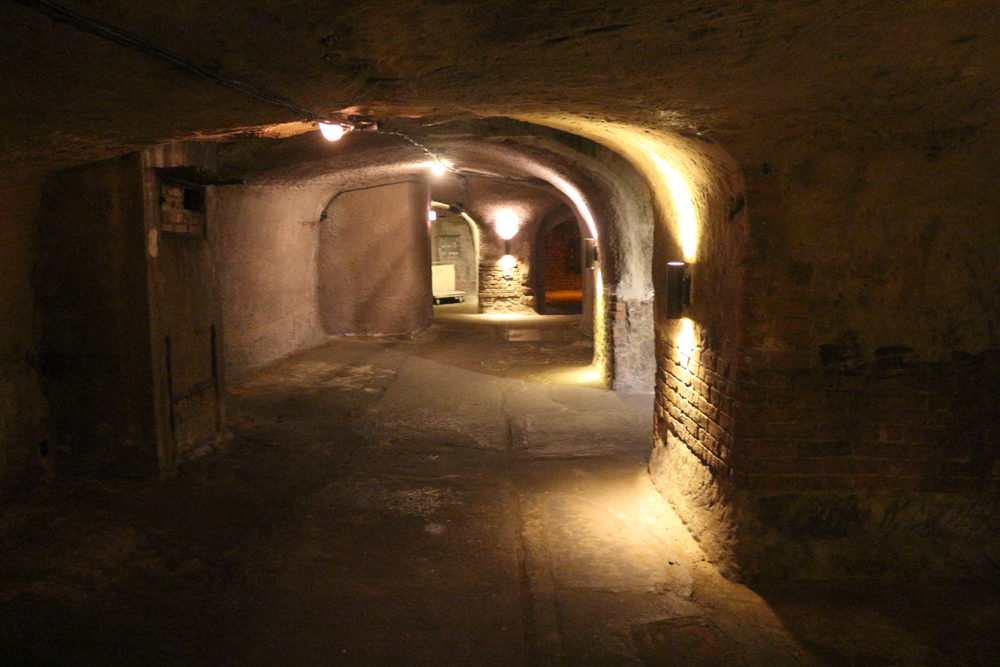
pixel 559 280
pixel 455 244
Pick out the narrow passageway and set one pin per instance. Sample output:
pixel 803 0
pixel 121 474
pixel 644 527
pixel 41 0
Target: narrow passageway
pixel 494 510
pixel 467 496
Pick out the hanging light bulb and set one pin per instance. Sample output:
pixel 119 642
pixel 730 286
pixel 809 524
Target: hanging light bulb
pixel 331 131
pixel 437 168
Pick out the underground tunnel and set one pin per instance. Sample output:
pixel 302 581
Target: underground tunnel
pixel 484 333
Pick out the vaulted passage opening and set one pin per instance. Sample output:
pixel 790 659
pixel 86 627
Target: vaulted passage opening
pixel 362 237
pixel 560 269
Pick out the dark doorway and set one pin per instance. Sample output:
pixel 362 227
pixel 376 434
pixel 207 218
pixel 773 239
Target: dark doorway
pixel 560 270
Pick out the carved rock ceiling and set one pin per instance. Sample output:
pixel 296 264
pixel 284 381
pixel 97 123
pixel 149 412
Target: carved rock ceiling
pixel 744 73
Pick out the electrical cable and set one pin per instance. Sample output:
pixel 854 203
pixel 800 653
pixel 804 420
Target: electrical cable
pixel 138 44
pixel 121 37
pixel 420 146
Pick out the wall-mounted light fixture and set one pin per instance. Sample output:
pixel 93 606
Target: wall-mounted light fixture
pixel 678 289
pixel 432 215
pixel 507 224
pixel 590 258
pixel 507 263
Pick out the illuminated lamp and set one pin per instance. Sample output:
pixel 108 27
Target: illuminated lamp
pixel 332 131
pixel 507 224
pixel 437 168
pixel 507 263
pixel 678 289
pixel 432 216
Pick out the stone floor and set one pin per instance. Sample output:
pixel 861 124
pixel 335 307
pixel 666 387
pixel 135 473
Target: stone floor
pixel 471 496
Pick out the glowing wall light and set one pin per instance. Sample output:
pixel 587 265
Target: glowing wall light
pixel 683 200
pixel 432 216
pixel 437 169
pixel 685 339
pixel 332 131
pixel 506 223
pixel 507 263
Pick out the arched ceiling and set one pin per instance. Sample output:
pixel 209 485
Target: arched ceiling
pixel 740 72
pixel 492 163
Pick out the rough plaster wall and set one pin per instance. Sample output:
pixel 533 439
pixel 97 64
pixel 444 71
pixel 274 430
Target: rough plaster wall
pixel 23 406
pixel 95 316
pixel 268 237
pixel 620 198
pixel 375 261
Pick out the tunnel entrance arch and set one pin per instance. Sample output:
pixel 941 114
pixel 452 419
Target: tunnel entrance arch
pixel 559 271
pixel 454 254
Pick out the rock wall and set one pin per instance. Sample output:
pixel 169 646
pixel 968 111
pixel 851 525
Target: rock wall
pixel 868 436
pixel 25 442
pixel 94 303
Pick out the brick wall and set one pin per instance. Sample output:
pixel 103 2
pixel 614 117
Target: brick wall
pixel 182 209
pixel 832 417
pixel 504 291
pixel 788 459
pixel 825 421
pixel 695 399
pixel 889 425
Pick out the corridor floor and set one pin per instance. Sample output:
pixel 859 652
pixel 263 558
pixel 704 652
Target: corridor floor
pixel 470 496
